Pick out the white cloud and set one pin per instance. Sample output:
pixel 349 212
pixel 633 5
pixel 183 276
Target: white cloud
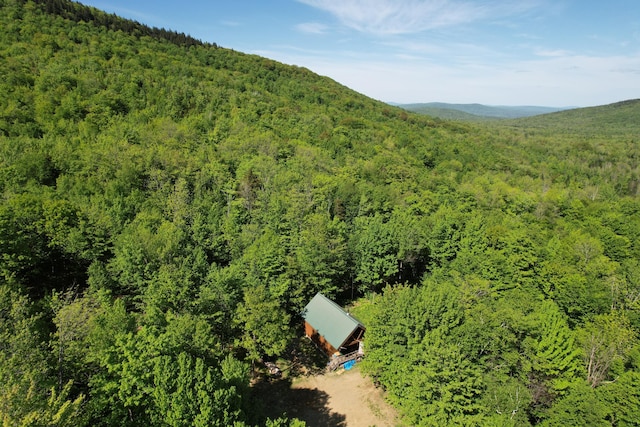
pixel 627 70
pixel 416 47
pixel 385 17
pixel 572 80
pixel 312 28
pixel 552 53
pixel 405 57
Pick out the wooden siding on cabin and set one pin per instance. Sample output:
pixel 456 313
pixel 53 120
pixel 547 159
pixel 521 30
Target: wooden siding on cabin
pixel 318 339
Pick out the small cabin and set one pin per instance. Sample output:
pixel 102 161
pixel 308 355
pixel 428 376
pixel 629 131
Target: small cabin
pixel 332 328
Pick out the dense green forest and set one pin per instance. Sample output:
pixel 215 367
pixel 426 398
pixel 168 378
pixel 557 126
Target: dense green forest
pixel 168 207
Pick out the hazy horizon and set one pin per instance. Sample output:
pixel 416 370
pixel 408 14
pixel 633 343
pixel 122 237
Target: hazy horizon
pixel 498 52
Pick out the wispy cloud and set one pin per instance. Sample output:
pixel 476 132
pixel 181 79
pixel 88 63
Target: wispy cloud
pixel 416 47
pixel 552 53
pixel 230 23
pixel 627 70
pixel 312 28
pixel 386 17
pixel 543 80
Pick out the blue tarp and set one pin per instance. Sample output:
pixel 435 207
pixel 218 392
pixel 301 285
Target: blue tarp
pixel 350 364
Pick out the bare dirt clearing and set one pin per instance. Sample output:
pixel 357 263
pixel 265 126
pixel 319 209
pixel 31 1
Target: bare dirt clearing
pixel 341 398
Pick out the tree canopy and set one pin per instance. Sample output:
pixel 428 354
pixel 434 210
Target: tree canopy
pixel 168 207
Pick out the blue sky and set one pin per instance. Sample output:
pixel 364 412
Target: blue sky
pixel 496 52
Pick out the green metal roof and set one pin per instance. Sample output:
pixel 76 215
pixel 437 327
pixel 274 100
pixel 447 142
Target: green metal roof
pixel 330 320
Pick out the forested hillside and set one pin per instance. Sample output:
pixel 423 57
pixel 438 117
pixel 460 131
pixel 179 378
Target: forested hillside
pixel 168 208
pixel 618 119
pixel 477 112
pixel 445 113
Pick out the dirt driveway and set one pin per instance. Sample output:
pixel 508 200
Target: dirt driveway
pixel 337 399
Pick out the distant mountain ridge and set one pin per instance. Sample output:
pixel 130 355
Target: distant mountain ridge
pixel 618 118
pixel 478 111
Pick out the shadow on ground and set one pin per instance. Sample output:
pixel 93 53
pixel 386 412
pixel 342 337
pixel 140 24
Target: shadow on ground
pixel 278 399
pixel 274 397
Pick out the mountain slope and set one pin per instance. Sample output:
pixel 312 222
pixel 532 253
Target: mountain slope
pixel 445 113
pixel 617 118
pixel 168 208
pixel 477 111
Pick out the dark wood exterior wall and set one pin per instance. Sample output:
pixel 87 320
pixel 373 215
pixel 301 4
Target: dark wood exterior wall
pixel 318 339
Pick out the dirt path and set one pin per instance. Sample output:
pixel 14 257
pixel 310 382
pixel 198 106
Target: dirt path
pixel 341 398
pixel 337 399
